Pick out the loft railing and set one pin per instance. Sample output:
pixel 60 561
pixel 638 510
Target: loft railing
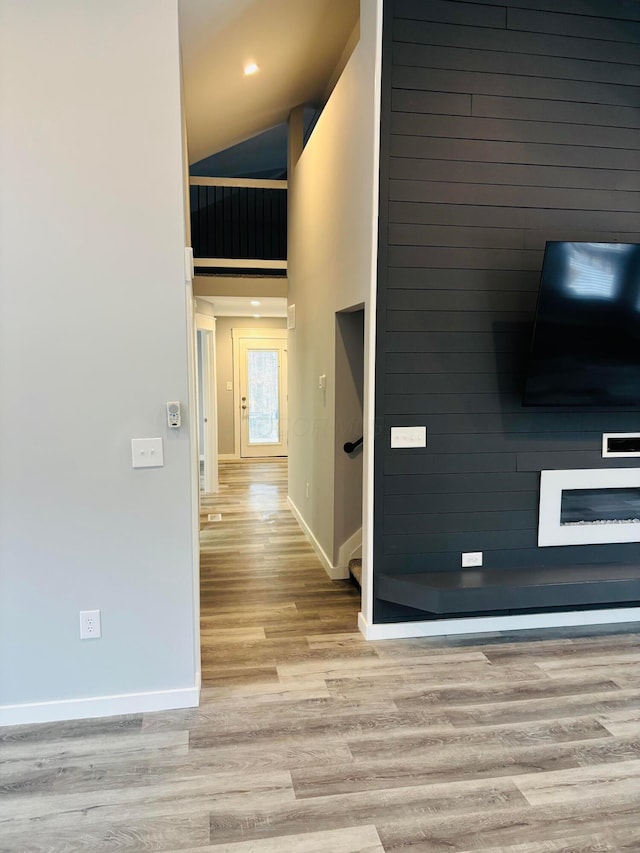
pixel 239 223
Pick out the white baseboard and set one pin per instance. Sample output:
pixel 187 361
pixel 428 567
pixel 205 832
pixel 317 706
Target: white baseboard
pixel 99 706
pixel 335 572
pixel 490 624
pixel 350 548
pixel 226 457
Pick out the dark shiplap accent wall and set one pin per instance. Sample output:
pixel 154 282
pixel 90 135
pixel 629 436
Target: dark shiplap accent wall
pixel 504 124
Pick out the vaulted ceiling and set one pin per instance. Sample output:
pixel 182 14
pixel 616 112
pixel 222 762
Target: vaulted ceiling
pixel 297 44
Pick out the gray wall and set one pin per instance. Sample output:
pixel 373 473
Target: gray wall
pixel 92 344
pixel 330 269
pixel 505 124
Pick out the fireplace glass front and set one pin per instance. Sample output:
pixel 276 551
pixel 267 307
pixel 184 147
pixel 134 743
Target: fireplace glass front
pixel 600 506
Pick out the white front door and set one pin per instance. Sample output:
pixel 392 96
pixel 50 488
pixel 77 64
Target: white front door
pixel 262 404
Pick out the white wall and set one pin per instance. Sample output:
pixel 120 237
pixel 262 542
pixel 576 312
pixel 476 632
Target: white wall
pixel 332 223
pixel 93 342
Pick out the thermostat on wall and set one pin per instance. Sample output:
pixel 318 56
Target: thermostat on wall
pixel 174 415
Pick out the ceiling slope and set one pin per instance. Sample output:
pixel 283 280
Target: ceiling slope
pixel 297 44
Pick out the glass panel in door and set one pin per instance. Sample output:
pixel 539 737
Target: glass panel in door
pixel 263 397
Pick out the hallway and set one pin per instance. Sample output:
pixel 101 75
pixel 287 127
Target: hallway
pixel 264 593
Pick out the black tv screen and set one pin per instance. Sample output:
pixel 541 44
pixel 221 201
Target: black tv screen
pixel 585 349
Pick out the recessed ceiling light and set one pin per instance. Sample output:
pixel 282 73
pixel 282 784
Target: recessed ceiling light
pixel 255 302
pixel 250 68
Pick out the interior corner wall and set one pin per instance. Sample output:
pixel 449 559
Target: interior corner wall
pixel 349 423
pixel 331 207
pixel 225 372
pixel 504 125
pixel 93 342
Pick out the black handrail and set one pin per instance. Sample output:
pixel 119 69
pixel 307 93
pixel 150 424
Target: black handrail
pixel 350 446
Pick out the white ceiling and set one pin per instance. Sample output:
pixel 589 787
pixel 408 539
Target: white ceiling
pixel 240 306
pixel 297 45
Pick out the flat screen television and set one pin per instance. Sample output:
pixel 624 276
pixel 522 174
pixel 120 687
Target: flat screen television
pixel 585 348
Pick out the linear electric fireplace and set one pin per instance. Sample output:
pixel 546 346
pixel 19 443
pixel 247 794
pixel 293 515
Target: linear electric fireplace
pixel 589 507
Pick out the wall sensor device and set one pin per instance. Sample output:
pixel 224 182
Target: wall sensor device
pixel 174 415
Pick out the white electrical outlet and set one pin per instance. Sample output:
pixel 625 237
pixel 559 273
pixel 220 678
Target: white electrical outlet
pixel 90 626
pixel 471 558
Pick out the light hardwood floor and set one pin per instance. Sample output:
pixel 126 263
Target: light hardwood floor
pixel 309 740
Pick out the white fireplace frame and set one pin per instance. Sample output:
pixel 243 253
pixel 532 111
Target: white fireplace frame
pixel 553 483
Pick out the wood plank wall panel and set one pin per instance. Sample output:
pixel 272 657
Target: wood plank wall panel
pixel 239 222
pixel 504 125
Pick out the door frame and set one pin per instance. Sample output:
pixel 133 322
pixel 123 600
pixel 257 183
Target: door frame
pixel 207 325
pixel 250 334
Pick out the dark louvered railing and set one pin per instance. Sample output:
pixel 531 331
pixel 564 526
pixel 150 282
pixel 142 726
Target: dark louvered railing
pixel 230 224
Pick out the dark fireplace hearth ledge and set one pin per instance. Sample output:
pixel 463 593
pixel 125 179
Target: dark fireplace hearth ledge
pixel 480 590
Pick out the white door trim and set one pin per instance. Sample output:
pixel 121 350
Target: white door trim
pixel 207 325
pixel 192 369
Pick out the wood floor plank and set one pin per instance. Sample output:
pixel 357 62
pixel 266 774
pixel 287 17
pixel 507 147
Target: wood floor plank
pixel 72 730
pixel 242 635
pixel 233 819
pixel 624 723
pixel 315 725
pixel 626 841
pixel 400 743
pixel 619 780
pixel 572 705
pixel 177 795
pixel 477 761
pixel 357 839
pixel 504 827
pixel 130 836
pixel 129 745
pixel 512 691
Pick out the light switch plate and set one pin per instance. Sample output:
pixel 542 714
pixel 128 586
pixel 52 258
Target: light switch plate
pixel 147 453
pixel 188 263
pixel 410 436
